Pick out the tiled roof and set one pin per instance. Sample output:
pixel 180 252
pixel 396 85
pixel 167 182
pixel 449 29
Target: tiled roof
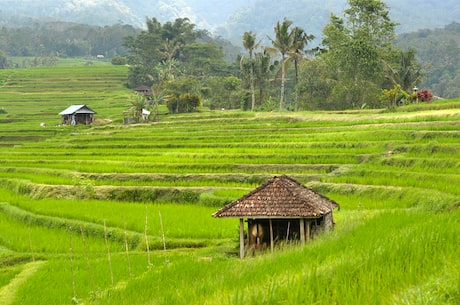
pixel 279 197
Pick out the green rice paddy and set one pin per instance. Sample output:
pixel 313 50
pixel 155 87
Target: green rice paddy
pixel 121 214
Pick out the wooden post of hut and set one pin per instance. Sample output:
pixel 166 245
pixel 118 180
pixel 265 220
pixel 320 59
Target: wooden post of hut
pixel 241 237
pixel 302 231
pixel 272 243
pixel 307 230
pixel 283 207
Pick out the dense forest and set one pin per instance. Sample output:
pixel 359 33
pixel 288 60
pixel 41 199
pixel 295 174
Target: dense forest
pixel 281 71
pixel 63 39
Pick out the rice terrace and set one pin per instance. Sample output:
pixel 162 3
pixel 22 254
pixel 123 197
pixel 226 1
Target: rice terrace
pixel 109 213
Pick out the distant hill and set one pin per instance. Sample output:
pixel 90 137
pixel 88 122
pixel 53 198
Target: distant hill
pixel 206 14
pixel 313 15
pixel 230 19
pixel 437 51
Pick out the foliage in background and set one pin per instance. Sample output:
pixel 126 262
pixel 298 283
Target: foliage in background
pixel 61 39
pixel 184 103
pixel 394 96
pixel 355 47
pixel 437 52
pixel 425 95
pixel 350 75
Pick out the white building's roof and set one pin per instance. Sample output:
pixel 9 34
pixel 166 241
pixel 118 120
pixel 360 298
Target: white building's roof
pixel 74 109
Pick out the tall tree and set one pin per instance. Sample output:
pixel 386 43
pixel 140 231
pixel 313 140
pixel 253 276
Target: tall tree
pixel 144 53
pixel 283 43
pixel 167 66
pixel 356 47
pixel 313 88
pixel 160 43
pixel 300 40
pixel 263 67
pixel 180 31
pixel 249 43
pixel 203 59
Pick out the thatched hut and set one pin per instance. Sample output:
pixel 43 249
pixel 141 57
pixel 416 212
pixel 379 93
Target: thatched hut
pixel 280 209
pixel 144 90
pixel 77 114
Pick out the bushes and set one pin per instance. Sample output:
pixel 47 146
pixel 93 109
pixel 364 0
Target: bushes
pixel 119 60
pixel 184 103
pixel 212 200
pixel 157 195
pixel 396 96
pixel 425 96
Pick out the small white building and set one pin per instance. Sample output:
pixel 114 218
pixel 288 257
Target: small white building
pixel 77 114
pixel 145 114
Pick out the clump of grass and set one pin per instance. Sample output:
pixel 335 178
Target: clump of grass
pixel 363 197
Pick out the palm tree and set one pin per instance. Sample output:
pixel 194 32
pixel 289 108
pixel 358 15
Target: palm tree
pixel 169 52
pixel 406 72
pixel 249 43
pixel 283 43
pixel 159 96
pixel 300 40
pixel 138 102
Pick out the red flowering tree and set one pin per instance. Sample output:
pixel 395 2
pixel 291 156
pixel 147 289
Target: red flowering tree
pixel 425 96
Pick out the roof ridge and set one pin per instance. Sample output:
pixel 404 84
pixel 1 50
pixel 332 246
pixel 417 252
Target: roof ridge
pixel 287 198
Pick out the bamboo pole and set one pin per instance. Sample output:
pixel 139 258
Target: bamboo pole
pixel 30 245
pixel 147 238
pixel 87 259
pixel 108 253
pixel 127 252
pixel 163 237
pixel 74 291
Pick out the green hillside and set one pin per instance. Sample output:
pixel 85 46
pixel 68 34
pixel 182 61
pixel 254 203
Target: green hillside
pixel 80 205
pixel 32 96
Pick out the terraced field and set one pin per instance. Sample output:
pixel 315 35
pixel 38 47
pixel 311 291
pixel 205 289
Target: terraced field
pixel 80 206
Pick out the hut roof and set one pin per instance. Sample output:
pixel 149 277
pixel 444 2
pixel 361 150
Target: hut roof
pixel 146 90
pixel 76 109
pixel 279 197
pixel 142 88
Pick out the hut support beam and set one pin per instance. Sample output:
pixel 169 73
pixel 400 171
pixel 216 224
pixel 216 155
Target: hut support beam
pixel 307 230
pixel 241 238
pixel 302 231
pixel 272 244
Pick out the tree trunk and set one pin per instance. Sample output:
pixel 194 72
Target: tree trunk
pixel 253 95
pixel 283 80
